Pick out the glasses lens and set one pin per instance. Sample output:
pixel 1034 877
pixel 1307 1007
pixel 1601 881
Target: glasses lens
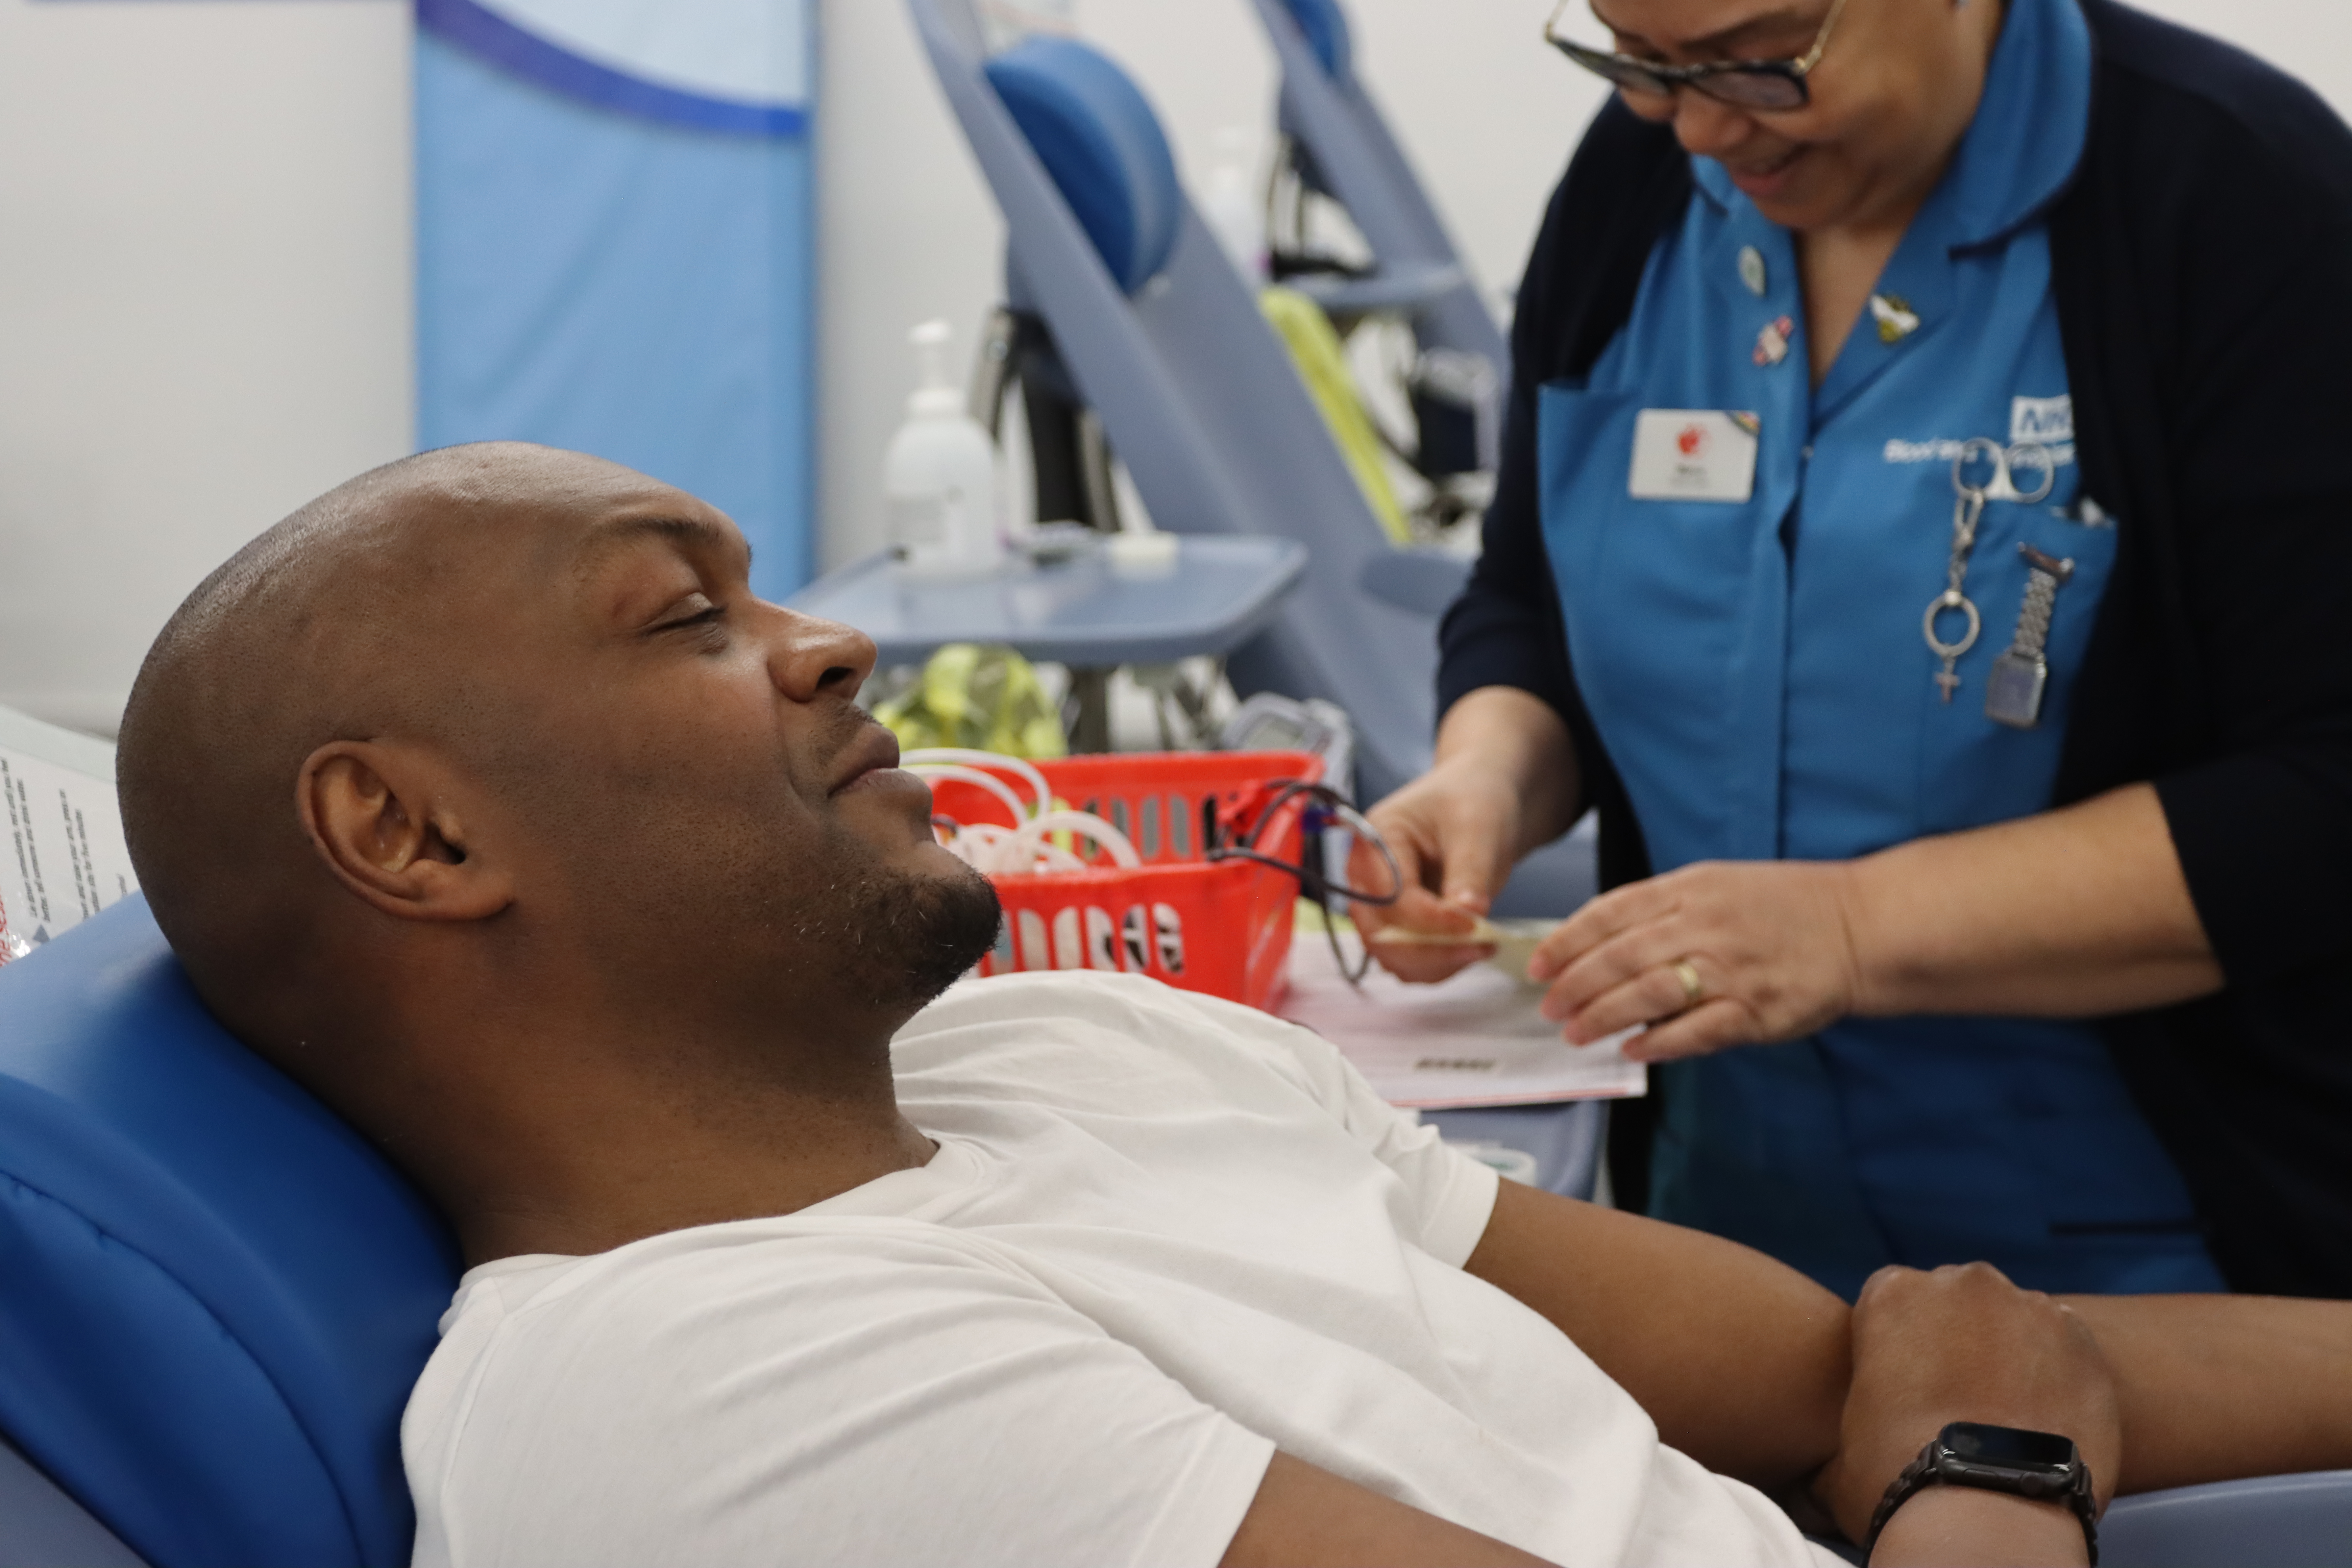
pixel 1615 68
pixel 1747 88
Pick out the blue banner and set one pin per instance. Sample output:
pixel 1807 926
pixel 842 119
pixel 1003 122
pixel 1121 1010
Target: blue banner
pixel 616 253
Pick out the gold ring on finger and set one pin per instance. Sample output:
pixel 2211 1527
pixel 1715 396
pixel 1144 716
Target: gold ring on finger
pixel 1693 988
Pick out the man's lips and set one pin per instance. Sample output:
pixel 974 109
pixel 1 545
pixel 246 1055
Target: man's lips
pixel 873 753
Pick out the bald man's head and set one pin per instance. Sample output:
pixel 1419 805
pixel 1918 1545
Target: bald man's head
pixel 501 700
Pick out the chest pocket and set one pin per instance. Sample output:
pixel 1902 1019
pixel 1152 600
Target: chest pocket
pixel 1675 613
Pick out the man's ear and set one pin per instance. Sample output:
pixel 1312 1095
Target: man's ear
pixel 385 821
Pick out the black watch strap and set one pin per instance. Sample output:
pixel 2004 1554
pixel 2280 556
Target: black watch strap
pixel 1931 1469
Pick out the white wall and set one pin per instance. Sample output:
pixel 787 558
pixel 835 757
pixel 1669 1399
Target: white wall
pixel 1487 111
pixel 204 305
pixel 205 299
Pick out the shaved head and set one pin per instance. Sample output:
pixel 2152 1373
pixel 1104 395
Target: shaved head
pixel 495 612
pixel 308 634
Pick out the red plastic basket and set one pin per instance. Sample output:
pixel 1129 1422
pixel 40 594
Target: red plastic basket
pixel 1221 927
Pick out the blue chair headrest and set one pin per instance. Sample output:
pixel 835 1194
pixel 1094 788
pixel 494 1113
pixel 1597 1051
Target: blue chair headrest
pixel 1326 26
pixel 1102 144
pixel 214 1297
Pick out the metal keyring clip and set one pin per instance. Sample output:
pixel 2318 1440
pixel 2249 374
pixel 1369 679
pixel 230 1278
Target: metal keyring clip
pixel 2031 457
pixel 1968 511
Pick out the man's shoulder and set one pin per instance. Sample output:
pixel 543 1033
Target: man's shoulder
pixel 648 1314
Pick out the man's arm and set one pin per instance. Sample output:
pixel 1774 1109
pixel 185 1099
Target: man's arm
pixel 1741 1360
pixel 1744 1363
pixel 2216 1387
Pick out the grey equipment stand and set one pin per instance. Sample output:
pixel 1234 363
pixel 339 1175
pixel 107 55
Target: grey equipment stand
pixel 1195 391
pixel 1337 143
pixel 1163 344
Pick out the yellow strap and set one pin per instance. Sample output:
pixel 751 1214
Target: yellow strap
pixel 1322 364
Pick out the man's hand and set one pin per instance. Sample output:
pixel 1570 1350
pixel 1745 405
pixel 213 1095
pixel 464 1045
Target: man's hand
pixel 1767 943
pixel 1962 1343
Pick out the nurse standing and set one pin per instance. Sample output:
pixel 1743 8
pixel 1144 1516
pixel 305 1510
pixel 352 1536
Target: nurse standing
pixel 1909 510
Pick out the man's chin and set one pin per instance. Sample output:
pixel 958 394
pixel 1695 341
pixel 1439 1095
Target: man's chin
pixel 946 920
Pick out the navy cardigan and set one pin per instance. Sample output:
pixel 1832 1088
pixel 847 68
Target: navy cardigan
pixel 2201 259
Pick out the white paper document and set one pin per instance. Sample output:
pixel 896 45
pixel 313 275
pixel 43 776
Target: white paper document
pixel 62 858
pixel 1474 1040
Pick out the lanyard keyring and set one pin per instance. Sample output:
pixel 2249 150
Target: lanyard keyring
pixel 1968 511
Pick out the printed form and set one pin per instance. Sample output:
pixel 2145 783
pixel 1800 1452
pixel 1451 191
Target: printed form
pixel 1474 1040
pixel 62 858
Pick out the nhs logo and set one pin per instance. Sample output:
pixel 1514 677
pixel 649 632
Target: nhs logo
pixel 2049 420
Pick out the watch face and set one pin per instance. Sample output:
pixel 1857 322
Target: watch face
pixel 2008 1447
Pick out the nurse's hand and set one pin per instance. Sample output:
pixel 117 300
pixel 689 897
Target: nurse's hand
pixel 1716 955
pixel 1455 832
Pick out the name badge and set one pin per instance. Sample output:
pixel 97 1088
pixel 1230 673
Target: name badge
pixel 1693 454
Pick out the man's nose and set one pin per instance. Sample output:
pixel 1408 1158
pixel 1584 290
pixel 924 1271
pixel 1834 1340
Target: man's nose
pixel 810 658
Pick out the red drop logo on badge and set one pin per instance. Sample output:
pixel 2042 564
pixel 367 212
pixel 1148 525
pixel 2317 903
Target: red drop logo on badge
pixel 1693 454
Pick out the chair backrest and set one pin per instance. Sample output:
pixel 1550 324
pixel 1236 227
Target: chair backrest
pixel 1197 394
pixel 1325 109
pixel 214 1296
pixel 1102 146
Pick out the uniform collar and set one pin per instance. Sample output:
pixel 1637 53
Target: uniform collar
pixel 2020 150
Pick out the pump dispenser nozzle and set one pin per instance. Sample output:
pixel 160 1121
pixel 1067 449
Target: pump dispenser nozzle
pixel 934 393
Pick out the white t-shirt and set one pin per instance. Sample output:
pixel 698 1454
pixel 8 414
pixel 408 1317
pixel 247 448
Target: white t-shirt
pixel 1162 1236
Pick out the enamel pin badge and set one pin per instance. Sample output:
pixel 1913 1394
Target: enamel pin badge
pixel 1772 343
pixel 1751 269
pixel 1897 321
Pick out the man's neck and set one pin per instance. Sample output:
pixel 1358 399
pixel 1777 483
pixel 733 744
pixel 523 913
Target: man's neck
pixel 546 1129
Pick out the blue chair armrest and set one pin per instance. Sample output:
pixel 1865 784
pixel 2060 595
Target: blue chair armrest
pixel 2304 1520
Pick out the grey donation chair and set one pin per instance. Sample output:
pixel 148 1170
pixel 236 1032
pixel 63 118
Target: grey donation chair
pixel 1162 340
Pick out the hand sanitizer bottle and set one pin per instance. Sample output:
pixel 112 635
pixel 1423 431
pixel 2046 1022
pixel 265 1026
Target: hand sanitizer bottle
pixel 940 479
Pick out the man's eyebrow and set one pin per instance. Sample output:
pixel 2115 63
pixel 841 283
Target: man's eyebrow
pixel 1721 42
pixel 698 532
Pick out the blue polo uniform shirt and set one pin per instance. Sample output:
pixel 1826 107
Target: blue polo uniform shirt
pixel 1755 664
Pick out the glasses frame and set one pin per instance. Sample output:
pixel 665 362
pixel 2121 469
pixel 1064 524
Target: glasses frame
pixel 1660 81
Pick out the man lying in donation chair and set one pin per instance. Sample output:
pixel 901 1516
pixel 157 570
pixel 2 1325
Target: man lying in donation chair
pixel 481 798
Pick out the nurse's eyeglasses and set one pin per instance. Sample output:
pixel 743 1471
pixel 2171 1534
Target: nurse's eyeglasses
pixel 1744 84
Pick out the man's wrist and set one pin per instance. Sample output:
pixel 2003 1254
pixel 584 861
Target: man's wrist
pixel 1956 1524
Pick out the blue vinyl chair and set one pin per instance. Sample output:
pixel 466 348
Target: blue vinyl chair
pixel 214 1297
pixel 1164 341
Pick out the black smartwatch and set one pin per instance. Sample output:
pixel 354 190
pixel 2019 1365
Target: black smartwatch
pixel 2041 1466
